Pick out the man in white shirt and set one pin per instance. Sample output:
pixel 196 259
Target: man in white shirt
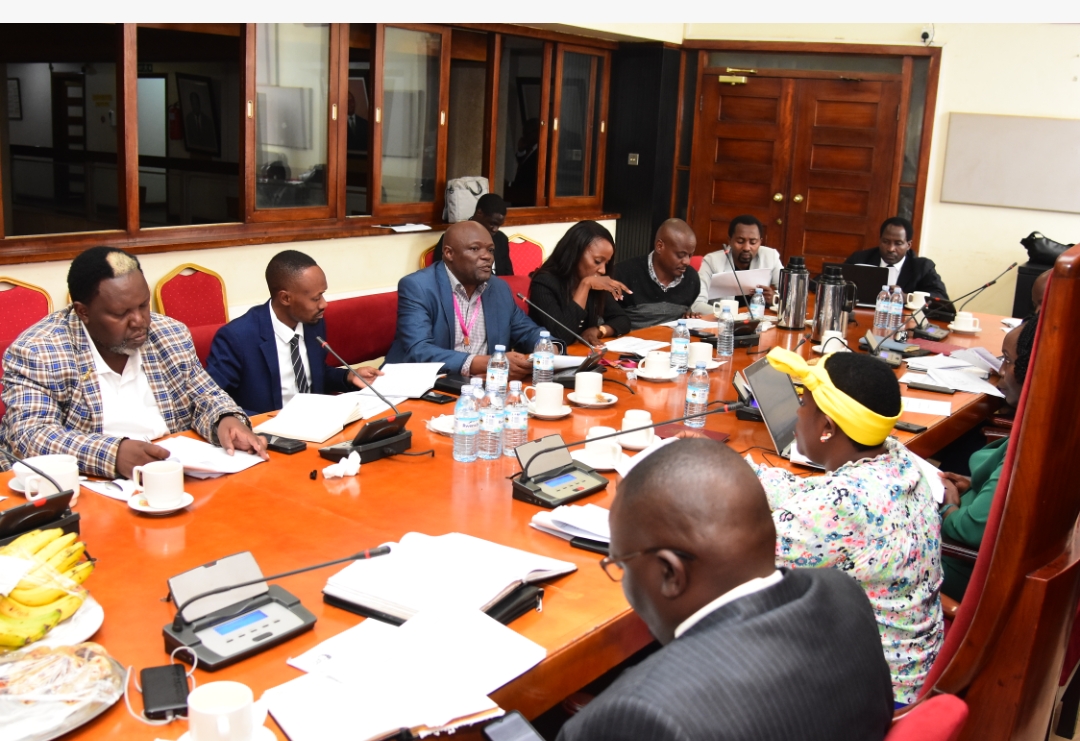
pixel 746 253
pixel 749 651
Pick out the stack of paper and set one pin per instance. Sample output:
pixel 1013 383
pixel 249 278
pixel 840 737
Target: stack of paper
pixel 727 285
pixel 574 521
pixel 935 361
pixel 318 417
pixel 694 323
pixel 958 380
pixel 634 345
pixel 203 460
pixel 979 357
pixel 405 380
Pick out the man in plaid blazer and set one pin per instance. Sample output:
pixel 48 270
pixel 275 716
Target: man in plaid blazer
pixel 52 375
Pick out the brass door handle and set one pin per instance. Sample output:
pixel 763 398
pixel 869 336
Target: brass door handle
pixel 779 221
pixel 778 197
pixel 797 199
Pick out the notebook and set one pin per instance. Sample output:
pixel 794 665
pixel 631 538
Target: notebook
pixel 779 405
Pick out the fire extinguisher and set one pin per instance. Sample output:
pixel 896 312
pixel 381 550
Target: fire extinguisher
pixel 176 123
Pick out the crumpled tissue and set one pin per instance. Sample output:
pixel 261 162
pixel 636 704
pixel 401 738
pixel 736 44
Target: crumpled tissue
pixel 345 467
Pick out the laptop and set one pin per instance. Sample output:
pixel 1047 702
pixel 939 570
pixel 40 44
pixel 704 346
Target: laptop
pixel 868 280
pixel 779 405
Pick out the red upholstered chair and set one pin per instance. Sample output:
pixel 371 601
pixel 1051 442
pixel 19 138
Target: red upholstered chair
pixel 361 328
pixel 940 718
pixel 519 284
pixel 193 295
pixel 428 256
pixel 695 261
pixel 21 304
pixel 203 336
pixel 526 255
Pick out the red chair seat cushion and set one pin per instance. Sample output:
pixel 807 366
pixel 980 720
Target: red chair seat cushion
pixel 361 328
pixel 940 718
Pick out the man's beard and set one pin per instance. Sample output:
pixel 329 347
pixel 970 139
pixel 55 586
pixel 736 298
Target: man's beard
pixel 124 349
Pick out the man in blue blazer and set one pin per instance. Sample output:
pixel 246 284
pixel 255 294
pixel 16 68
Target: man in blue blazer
pixel 456 312
pixel 270 354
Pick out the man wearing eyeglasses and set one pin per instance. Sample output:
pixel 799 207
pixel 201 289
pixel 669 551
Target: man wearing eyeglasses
pixel 750 651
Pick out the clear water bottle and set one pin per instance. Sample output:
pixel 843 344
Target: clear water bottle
pixel 882 312
pixel 680 347
pixel 516 419
pixel 491 425
pixel 757 304
pixel 896 309
pixel 543 359
pixel 697 395
pixel 725 334
pixel 498 372
pixel 467 422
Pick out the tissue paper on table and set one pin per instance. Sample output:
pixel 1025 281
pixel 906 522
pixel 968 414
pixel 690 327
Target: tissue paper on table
pixel 345 467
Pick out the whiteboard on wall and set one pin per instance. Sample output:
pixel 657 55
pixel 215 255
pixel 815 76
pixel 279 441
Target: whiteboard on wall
pixel 1013 161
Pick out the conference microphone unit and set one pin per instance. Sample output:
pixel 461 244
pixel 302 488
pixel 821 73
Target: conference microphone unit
pixel 591 362
pixel 50 511
pixel 378 439
pixel 563 479
pixel 232 628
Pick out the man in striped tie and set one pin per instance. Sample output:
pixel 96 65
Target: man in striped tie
pixel 270 354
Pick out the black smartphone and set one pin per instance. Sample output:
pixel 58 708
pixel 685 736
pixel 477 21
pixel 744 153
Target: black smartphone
pixel 511 727
pixel 437 398
pixel 910 427
pixel 285 445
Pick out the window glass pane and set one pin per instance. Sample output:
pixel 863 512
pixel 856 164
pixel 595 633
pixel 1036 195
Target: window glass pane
pixel 820 62
pixel 916 110
pixel 189 125
pixel 410 116
pixel 58 128
pixel 292 83
pixel 578 125
pixel 465 127
pixel 518 133
pixel 906 205
pixel 358 120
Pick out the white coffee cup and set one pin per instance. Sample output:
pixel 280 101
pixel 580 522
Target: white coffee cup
pixel 833 341
pixel 547 398
pixel 658 362
pixel 224 711
pixel 637 418
pixel 604 452
pixel 966 320
pixel 730 304
pixel 588 387
pixel 161 482
pixel 64 468
pixel 700 352
pixel 917 299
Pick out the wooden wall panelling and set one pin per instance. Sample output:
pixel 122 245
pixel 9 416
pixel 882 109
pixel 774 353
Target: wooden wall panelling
pixel 547 113
pixel 491 110
pixel 127 161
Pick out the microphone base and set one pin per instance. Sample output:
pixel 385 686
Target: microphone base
pixel 371 451
pixel 749 414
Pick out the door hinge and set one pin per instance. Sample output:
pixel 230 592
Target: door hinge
pixel 732 79
pixel 701 103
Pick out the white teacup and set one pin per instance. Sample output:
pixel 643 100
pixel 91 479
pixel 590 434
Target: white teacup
pixel 700 352
pixel 604 452
pixel 224 711
pixel 658 362
pixel 637 418
pixel 833 341
pixel 730 304
pixel 966 320
pixel 588 387
pixel 917 299
pixel 64 468
pixel 161 482
pixel 547 398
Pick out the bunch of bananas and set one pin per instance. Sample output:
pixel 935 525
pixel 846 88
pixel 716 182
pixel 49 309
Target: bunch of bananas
pixel 49 592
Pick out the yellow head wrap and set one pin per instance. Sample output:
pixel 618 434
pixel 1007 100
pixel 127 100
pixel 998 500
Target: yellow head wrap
pixel 859 423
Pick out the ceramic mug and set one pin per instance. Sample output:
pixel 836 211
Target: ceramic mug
pixel 588 387
pixel 658 362
pixel 637 418
pixel 547 398
pixel 161 482
pixel 604 452
pixel 731 304
pixel 700 352
pixel 64 468
pixel 966 320
pixel 224 711
pixel 917 299
pixel 833 341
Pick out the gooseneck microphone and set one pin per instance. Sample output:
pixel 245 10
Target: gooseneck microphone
pixel 973 294
pixel 179 620
pixel 352 370
pixel 16 459
pixel 549 316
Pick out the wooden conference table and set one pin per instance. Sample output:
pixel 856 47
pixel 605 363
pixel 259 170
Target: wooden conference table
pixel 287 520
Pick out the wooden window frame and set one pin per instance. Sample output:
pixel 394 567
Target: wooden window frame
pixel 601 133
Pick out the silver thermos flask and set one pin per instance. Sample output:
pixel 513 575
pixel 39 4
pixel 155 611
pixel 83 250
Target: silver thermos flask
pixel 794 288
pixel 835 299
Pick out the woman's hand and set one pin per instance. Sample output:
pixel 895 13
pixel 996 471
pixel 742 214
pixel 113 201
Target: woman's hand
pixel 604 283
pixel 955 486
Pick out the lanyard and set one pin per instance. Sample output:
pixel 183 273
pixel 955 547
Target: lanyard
pixel 466 330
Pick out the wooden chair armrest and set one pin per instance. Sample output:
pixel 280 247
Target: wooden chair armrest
pixel 958 551
pixel 949 607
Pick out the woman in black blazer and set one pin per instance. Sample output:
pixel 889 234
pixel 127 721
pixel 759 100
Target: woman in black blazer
pixel 573 286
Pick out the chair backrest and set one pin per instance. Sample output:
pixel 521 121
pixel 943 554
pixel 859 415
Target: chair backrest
pixel 203 337
pixel 519 284
pixel 193 295
pixel 940 718
pixel 361 328
pixel 428 256
pixel 1005 649
pixel 21 304
pixel 695 261
pixel 526 255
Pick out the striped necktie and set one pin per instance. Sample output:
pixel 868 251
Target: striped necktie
pixel 302 385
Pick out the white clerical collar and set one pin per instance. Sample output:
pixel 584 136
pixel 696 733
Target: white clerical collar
pixel 743 590
pixel 282 330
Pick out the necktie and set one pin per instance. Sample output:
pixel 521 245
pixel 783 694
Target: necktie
pixel 298 365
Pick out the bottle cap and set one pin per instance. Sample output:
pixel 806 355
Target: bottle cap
pixel 476 381
pixel 515 385
pixel 545 333
pixel 500 348
pixel 701 365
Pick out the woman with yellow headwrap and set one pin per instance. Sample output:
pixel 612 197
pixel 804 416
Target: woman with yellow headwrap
pixel 872 514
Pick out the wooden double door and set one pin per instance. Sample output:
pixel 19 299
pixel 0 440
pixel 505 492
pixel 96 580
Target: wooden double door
pixel 815 160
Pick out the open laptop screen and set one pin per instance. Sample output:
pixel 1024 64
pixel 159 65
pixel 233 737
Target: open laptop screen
pixel 778 401
pixel 868 280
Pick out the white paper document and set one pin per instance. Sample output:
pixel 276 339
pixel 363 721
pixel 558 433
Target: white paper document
pixel 979 357
pixel 930 473
pixel 405 380
pixel 958 380
pixel 12 570
pixel 318 417
pixel 926 406
pixel 935 361
pixel 120 489
pixel 198 456
pixel 634 345
pixel 726 285
pixel 694 323
pixel 574 521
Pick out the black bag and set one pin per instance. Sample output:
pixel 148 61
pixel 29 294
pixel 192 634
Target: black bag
pixel 1041 249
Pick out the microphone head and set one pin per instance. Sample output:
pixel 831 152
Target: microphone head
pixel 522 297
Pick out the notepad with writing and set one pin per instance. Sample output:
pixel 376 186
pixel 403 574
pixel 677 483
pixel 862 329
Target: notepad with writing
pixel 424 571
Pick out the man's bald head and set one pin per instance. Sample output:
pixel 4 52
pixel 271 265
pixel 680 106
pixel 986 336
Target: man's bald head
pixel 674 246
pixel 469 252
pixel 701 506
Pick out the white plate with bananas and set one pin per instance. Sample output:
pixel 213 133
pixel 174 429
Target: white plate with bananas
pixel 77 628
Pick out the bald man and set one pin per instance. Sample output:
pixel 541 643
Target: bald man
pixel 663 284
pixel 750 651
pixel 456 311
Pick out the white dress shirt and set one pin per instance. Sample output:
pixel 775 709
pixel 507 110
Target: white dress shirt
pixel 128 406
pixel 744 589
pixel 894 270
pixel 284 336
pixel 717 262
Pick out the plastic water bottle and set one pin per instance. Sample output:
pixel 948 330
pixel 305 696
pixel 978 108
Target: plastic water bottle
pixel 757 304
pixel 896 309
pixel 543 359
pixel 498 372
pixel 467 422
pixel 725 334
pixel 516 420
pixel 680 347
pixel 882 312
pixel 491 425
pixel 697 395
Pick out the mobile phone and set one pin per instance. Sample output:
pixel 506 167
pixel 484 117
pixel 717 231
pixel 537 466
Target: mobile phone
pixel 285 445
pixel 511 727
pixel 437 398
pixel 910 427
pixel 164 690
pixel 930 387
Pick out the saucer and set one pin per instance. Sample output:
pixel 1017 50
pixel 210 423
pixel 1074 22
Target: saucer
pixel 443 425
pixel 562 412
pixel 591 461
pixel 599 401
pixel 817 349
pixel 262 733
pixel 969 330
pixel 710 365
pixel 16 485
pixel 671 375
pixel 138 503
pixel 628 446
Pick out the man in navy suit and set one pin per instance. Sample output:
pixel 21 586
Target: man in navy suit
pixel 456 311
pixel 270 354
pixel 749 651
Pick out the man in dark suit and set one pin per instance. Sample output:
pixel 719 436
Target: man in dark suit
pixel 455 312
pixel 490 213
pixel 750 652
pixel 270 354
pixel 910 272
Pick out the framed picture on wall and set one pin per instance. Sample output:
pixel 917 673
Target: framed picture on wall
pixel 14 99
pixel 197 107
